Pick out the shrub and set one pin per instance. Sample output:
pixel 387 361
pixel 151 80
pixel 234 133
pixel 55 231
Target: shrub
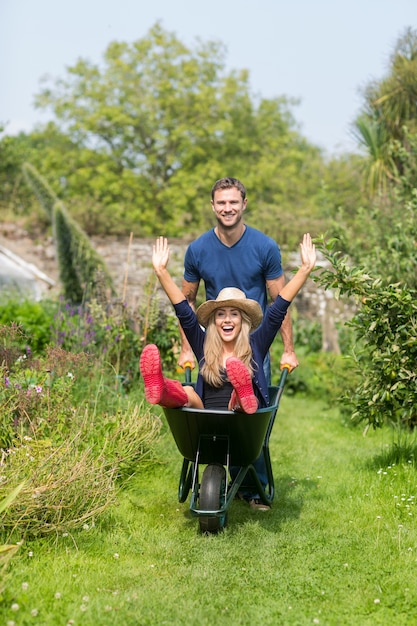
pixel 34 320
pixel 385 350
pixel 72 456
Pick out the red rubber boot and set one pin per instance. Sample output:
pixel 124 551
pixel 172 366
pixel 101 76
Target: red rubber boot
pixel 241 380
pixel 151 369
pixel 159 390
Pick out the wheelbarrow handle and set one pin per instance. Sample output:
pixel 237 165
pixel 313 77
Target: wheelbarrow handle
pixel 285 370
pixel 187 369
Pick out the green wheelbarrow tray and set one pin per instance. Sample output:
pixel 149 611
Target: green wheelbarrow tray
pixel 221 440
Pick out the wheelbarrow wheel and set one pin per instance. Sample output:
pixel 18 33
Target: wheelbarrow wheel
pixel 212 495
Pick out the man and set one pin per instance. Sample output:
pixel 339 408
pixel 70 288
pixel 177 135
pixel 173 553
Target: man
pixel 236 255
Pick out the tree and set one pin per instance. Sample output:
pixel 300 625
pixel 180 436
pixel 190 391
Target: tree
pixel 14 193
pixel 394 99
pixel 164 121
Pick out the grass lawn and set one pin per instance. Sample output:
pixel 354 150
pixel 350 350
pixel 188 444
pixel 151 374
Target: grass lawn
pixel 338 547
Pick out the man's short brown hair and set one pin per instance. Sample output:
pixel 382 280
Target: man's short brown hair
pixel 228 183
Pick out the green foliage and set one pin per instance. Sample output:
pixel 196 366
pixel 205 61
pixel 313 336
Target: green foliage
pixel 7 551
pixel 385 353
pixel 165 335
pixel 115 335
pixel 34 319
pixel 140 138
pixel 109 333
pixel 166 121
pixel 307 334
pixel 67 486
pixel 387 323
pixel 35 395
pixel 342 188
pixel 14 193
pixel 388 115
pixel 380 169
pixel 71 456
pixel 379 274
pixel 83 273
pixel 321 375
pixel 406 155
pixel 390 227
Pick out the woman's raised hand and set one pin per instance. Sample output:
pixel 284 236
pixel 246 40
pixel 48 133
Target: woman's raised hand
pixel 308 253
pixel 160 254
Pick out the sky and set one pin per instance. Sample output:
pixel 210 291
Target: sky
pixel 320 52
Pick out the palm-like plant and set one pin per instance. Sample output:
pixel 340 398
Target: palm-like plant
pixel 389 116
pixel 396 100
pixel 380 168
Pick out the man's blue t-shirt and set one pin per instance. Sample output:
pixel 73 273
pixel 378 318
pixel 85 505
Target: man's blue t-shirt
pixel 251 261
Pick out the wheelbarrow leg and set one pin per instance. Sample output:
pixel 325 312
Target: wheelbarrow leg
pixel 185 480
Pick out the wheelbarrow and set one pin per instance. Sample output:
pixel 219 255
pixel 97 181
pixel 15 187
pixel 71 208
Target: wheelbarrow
pixel 220 440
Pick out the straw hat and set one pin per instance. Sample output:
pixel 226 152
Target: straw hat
pixel 230 296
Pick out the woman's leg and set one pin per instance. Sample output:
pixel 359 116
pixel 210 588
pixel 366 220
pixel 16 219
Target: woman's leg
pixel 194 400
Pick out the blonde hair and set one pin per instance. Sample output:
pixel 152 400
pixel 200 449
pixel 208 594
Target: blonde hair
pixel 212 368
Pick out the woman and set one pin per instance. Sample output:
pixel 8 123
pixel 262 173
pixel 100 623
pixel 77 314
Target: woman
pixel 230 351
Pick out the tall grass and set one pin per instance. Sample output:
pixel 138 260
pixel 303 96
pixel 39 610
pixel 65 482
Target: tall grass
pixel 68 433
pixel 7 550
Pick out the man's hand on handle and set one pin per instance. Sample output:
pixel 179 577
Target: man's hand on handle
pixel 186 358
pixel 289 358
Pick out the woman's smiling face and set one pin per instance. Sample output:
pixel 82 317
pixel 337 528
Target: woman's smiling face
pixel 228 322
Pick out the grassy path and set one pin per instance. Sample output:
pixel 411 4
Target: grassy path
pixel 339 546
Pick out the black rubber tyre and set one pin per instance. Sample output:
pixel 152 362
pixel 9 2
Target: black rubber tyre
pixel 212 494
